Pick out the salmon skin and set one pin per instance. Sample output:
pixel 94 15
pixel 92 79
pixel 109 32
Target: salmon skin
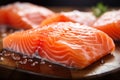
pixel 75 16
pixel 109 23
pixel 23 15
pixel 64 43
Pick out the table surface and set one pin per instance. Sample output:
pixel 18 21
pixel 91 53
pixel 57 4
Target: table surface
pixel 15 75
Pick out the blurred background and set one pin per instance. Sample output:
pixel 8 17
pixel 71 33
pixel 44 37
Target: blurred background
pixel 73 3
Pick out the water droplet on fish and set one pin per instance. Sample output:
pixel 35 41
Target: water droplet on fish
pixel 34 63
pixel 23 62
pixel 1 58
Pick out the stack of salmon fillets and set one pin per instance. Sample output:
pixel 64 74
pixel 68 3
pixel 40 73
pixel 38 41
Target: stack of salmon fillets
pixel 72 39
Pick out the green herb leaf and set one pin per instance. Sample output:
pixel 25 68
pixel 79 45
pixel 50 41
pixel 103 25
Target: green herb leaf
pixel 99 9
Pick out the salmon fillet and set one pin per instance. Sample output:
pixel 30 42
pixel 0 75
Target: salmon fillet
pixel 3 19
pixel 64 43
pixel 109 23
pixel 75 16
pixel 23 15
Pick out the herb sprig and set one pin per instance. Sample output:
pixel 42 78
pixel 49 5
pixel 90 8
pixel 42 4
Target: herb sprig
pixel 99 9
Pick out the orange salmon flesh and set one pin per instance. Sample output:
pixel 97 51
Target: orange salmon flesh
pixel 65 43
pixel 23 15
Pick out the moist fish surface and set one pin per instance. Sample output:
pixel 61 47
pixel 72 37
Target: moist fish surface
pixel 109 23
pixel 23 15
pixel 86 18
pixel 64 43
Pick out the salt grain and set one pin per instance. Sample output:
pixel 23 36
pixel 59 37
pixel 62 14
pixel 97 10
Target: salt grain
pixel 23 62
pixel 3 51
pixel 1 54
pixel 102 61
pixel 24 56
pixel 30 60
pixel 34 63
pixel 1 58
pixel 7 54
pixel 50 65
pixel 42 62
pixel 4 35
pixel 15 57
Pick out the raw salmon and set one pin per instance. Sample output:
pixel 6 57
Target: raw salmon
pixel 23 15
pixel 75 16
pixel 3 19
pixel 109 22
pixel 64 43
